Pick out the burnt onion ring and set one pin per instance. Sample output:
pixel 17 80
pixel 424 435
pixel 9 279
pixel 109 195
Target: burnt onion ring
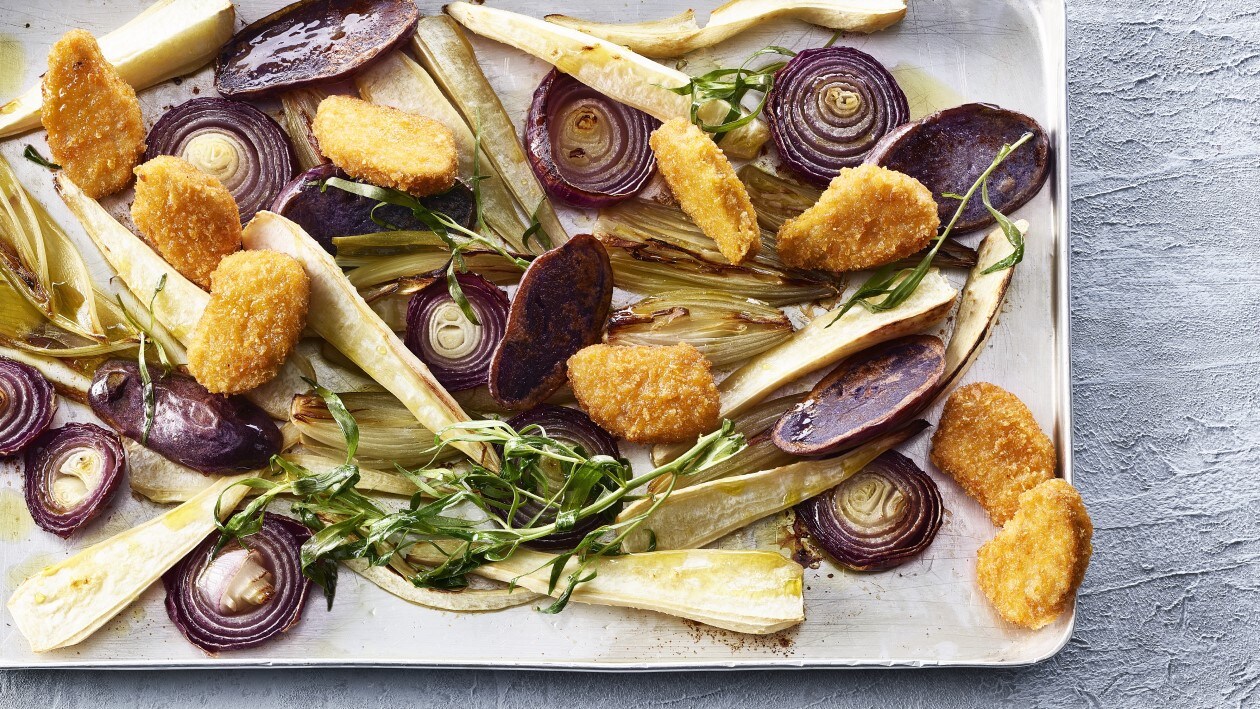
pixel 574 428
pixel 457 352
pixel 199 586
pixel 27 404
pixel 77 451
pixel 237 144
pixel 881 517
pixel 587 149
pixel 829 107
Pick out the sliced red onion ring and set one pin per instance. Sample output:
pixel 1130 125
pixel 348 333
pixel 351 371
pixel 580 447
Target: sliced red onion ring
pixel 457 351
pixel 245 595
pixel 587 149
pixel 71 474
pixel 829 107
pixel 27 404
pixel 574 428
pixel 236 143
pixel 881 517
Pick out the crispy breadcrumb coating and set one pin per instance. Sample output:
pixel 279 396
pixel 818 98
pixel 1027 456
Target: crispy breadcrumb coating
pixel 707 188
pixel 385 146
pixel 188 216
pixel 1030 571
pixel 257 309
pixel 95 130
pixel 867 217
pixel 989 442
pixel 646 394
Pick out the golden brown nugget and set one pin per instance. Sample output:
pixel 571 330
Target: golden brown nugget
pixel 646 394
pixel 989 442
pixel 385 146
pixel 95 129
pixel 1030 571
pixel 188 216
pixel 707 188
pixel 868 216
pixel 257 309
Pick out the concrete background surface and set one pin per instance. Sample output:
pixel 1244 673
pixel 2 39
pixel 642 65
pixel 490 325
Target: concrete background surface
pixel 1166 290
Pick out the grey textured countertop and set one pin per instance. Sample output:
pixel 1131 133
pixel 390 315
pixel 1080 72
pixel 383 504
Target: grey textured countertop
pixel 1166 290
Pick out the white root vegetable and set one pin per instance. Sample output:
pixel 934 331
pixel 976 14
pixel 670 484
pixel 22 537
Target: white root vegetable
pixel 340 315
pixel 68 601
pixel 755 592
pixel 465 600
pixel 678 35
pixel 169 39
pixel 700 514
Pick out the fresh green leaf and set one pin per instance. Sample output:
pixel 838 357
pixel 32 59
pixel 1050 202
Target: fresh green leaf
pixel 32 154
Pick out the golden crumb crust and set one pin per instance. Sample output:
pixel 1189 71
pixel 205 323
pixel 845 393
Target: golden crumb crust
pixel 95 129
pixel 257 309
pixel 1030 571
pixel 707 188
pixel 646 394
pixel 188 216
pixel 868 216
pixel 989 442
pixel 385 146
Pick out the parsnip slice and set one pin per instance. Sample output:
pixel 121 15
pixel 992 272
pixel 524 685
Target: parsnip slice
pixel 678 35
pixel 340 315
pixel 170 38
pixel 70 600
pixel 746 591
pixel 465 600
pixel 697 515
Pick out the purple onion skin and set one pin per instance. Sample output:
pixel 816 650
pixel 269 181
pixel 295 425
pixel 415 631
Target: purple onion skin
pixel 279 542
pixel 271 163
pixel 869 549
pixel 813 137
pixel 561 306
pixel 488 301
pixel 335 212
pixel 45 456
pixel 616 178
pixel 27 405
pixel 865 396
pixel 311 42
pixel 208 432
pixel 948 150
pixel 576 429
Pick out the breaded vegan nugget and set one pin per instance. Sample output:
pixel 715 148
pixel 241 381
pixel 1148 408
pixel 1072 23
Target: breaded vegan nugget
pixel 646 394
pixel 707 188
pixel 385 146
pixel 255 317
pixel 868 216
pixel 95 129
pixel 989 442
pixel 188 216
pixel 1030 571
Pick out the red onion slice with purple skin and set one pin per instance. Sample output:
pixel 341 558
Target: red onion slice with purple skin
pixel 238 144
pixel 587 149
pixel 881 517
pixel 574 428
pixel 27 404
pixel 71 474
pixel 243 596
pixel 457 352
pixel 829 107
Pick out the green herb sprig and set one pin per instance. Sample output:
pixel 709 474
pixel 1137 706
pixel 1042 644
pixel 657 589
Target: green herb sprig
pixel 349 525
pixel 731 85
pixel 32 153
pixel 893 285
pixel 142 361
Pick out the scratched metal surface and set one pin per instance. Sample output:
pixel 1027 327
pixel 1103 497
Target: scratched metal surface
pixel 1165 136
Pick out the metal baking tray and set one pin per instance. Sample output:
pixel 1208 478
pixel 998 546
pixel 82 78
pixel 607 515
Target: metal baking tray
pixel 928 612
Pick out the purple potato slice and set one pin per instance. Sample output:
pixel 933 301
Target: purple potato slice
pixel 311 42
pixel 866 395
pixel 948 150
